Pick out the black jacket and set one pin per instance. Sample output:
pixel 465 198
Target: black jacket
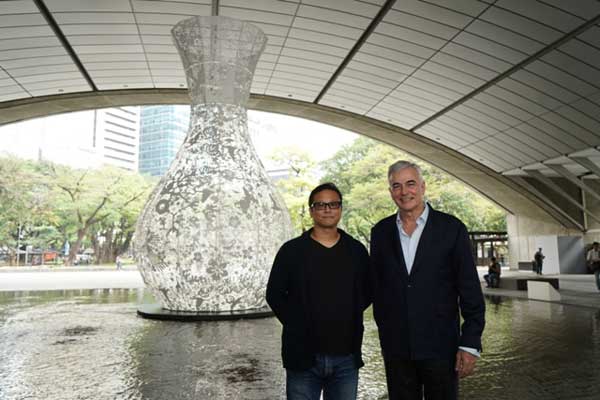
pixel 418 314
pixel 287 296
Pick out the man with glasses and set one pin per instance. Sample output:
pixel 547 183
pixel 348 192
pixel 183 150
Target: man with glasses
pixel 318 289
pixel 423 274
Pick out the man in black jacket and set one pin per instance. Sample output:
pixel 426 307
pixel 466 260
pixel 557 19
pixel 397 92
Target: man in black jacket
pixel 423 275
pixel 318 289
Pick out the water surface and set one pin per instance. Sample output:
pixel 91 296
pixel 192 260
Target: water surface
pixel 89 344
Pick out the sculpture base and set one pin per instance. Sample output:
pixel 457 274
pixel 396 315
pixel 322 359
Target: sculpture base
pixel 155 311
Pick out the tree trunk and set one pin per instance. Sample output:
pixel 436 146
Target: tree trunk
pixel 75 247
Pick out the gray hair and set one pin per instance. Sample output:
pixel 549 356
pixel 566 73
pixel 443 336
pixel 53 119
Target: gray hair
pixel 402 164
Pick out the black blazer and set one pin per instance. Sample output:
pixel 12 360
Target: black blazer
pixel 287 296
pixel 418 314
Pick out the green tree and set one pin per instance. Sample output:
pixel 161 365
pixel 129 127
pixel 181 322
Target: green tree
pixel 360 171
pixel 25 208
pixel 87 198
pixel 296 188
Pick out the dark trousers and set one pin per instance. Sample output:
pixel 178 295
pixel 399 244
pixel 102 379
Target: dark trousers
pixel 409 379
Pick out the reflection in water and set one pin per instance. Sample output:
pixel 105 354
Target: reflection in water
pixel 89 344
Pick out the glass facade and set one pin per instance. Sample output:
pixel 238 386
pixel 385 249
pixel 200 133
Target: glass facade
pixel 162 130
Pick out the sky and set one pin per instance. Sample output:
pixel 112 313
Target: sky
pixel 64 136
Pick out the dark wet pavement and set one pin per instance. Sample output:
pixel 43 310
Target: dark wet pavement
pixel 89 344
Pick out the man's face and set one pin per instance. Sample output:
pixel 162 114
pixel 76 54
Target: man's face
pixel 326 217
pixel 407 189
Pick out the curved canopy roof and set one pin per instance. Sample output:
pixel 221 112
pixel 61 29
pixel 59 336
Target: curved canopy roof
pixel 511 87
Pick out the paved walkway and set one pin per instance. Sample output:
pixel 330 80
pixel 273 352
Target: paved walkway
pixel 576 290
pixel 62 278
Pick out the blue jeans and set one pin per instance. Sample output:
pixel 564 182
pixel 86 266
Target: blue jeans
pixel 336 376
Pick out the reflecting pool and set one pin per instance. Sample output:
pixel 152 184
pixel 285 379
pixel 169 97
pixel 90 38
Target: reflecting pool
pixel 89 344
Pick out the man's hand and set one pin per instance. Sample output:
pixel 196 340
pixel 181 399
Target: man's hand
pixel 465 363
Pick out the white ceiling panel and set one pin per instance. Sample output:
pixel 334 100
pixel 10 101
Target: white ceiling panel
pixel 549 127
pixel 275 6
pixel 443 81
pixel 323 48
pixel 420 24
pixel 87 5
pixel 524 95
pixel 558 144
pixel 28 42
pixel 442 136
pixel 571 128
pixel 523 25
pixel 401 45
pixel 439 14
pixel 23 32
pixel 458 128
pixel 483 127
pixel 410 35
pixel 171 7
pixel 327 27
pixel 486 114
pixel 417 99
pixel 591 36
pixel 29 53
pixel 581 8
pixel 490 62
pixel 256 16
pixel 489 47
pixel 78 18
pixel 417 92
pixel 392 104
pixel 505 37
pixel 498 103
pixel 363 85
pixel 433 88
pixel 100 29
pixel 337 17
pixel 454 74
pixel 21 20
pixel 332 101
pixel 562 70
pixel 531 142
pixel 431 60
pixel 546 14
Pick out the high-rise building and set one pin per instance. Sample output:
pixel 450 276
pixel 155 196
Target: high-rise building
pixel 162 130
pixel 116 136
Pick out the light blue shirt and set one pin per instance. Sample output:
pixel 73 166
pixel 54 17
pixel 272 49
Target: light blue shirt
pixel 409 245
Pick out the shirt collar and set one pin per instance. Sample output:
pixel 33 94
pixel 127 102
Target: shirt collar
pixel 421 220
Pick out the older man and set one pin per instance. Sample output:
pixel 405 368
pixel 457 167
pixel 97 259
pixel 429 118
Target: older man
pixel 423 275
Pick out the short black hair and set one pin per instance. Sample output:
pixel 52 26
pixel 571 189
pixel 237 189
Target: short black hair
pixel 320 188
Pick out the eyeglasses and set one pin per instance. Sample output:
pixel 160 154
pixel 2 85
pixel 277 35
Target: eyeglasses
pixel 320 206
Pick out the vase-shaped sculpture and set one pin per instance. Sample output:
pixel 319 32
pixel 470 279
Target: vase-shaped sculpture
pixel 208 233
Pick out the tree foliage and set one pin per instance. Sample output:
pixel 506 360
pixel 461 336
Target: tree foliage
pixel 360 171
pixel 52 204
pixel 297 186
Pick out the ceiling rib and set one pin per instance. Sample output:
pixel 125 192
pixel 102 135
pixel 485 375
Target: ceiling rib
pixel 361 40
pixel 574 179
pixel 554 187
pixel 534 57
pixel 587 163
pixel 63 40
pixel 519 180
pixel 215 8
